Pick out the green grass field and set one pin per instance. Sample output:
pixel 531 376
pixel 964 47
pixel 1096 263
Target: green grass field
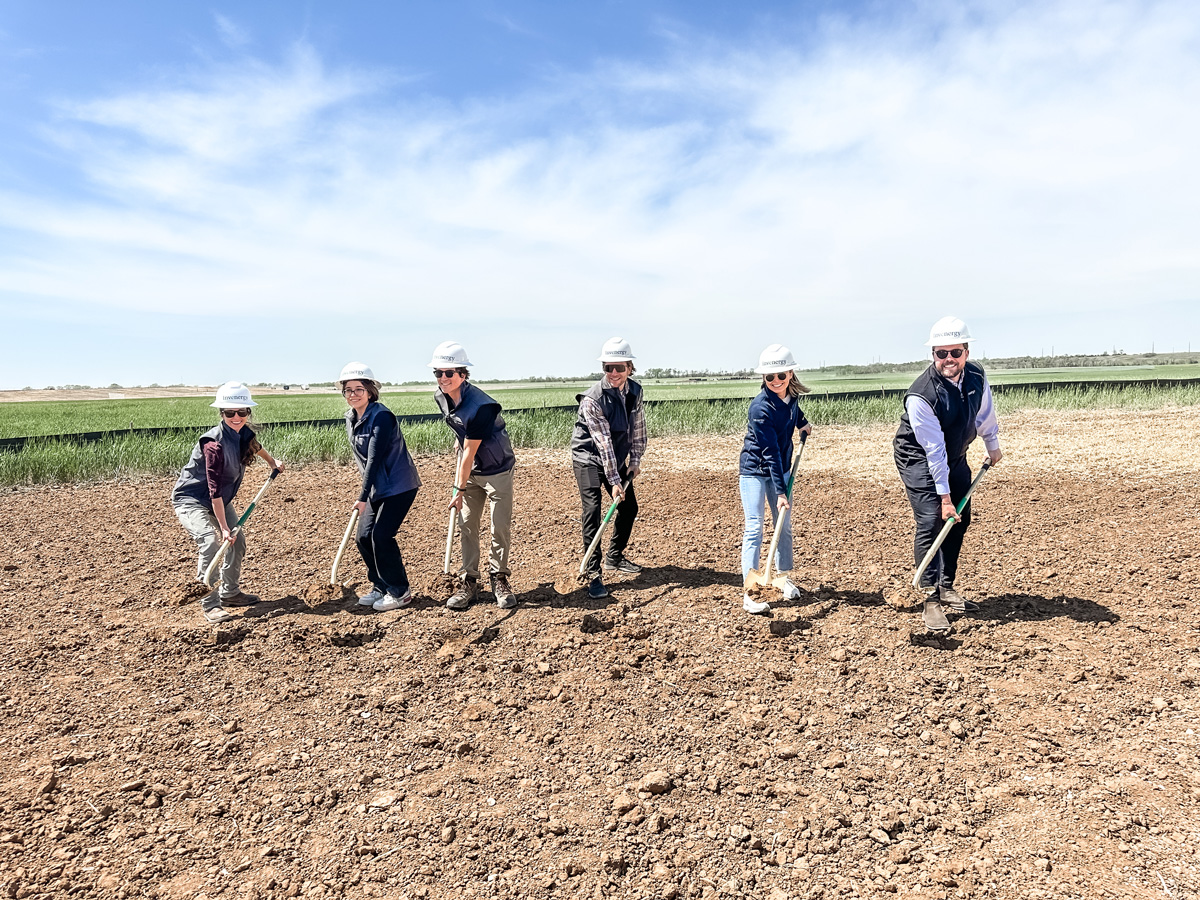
pixel 64 462
pixel 40 417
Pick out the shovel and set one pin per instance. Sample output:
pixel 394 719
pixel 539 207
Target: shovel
pixel 600 532
pixel 452 525
pixel 755 578
pixel 950 523
pixel 342 547
pixel 212 566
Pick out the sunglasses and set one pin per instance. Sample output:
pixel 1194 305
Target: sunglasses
pixel 956 353
pixel 444 373
pixel 353 392
pixel 230 413
pixel 615 367
pixel 782 376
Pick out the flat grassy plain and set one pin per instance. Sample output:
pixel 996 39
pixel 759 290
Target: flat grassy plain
pixel 47 417
pixel 67 461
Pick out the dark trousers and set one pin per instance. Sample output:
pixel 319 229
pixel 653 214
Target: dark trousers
pixel 376 539
pixel 927 510
pixel 592 490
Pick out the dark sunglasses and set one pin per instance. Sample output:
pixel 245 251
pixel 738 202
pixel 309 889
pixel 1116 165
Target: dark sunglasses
pixel 782 376
pixel 444 373
pixel 230 413
pixel 956 353
pixel 615 367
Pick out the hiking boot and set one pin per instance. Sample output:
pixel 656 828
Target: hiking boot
pixel 597 590
pixel 216 615
pixel 468 590
pixel 391 601
pixel 934 617
pixel 241 598
pixel 790 591
pixel 505 599
pixel 955 602
pixel 755 607
pixel 622 565
pixel 372 598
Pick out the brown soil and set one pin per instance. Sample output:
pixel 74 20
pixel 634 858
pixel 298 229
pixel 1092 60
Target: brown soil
pixel 660 743
pixel 443 586
pixel 319 592
pixel 190 590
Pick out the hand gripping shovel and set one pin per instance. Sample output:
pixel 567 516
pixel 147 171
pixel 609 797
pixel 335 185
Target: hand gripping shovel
pixel 600 532
pixel 763 579
pixel 212 566
pixel 342 546
pixel 950 523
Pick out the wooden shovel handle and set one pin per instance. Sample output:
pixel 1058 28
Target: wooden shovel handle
pixel 342 546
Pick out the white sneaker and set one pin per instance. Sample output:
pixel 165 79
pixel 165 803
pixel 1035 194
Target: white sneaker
pixel 755 607
pixel 372 598
pixel 790 591
pixel 388 603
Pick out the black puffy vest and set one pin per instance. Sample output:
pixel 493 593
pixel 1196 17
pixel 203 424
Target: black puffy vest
pixel 495 453
pixel 193 480
pixel 618 411
pixel 956 411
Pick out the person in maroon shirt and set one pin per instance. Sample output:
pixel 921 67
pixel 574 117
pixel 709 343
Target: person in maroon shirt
pixel 203 496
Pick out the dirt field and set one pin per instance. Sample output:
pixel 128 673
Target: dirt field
pixel 658 744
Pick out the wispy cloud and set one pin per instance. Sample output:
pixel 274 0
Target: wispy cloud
pixel 232 35
pixel 1024 157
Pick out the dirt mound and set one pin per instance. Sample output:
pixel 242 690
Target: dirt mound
pixel 569 584
pixel 657 743
pixel 188 591
pixel 441 586
pixel 319 592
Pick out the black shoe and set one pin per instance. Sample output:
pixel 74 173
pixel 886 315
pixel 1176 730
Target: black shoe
pixel 597 590
pixel 622 565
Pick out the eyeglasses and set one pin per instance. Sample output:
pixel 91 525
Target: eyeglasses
pixel 956 353
pixel 615 367
pixel 353 392
pixel 230 413
pixel 771 376
pixel 444 373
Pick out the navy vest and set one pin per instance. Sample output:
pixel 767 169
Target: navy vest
pixel 193 480
pixel 619 413
pixel 397 472
pixel 495 454
pixel 955 410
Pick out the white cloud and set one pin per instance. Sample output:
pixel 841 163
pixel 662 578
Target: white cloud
pixel 232 35
pixel 1024 159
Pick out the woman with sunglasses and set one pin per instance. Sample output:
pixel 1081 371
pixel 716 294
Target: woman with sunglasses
pixel 774 417
pixel 389 487
pixel 203 495
pixel 607 447
pixel 484 473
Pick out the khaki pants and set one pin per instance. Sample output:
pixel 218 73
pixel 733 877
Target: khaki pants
pixel 201 524
pixel 496 490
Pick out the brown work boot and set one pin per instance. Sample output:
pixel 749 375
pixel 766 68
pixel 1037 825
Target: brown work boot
pixel 935 617
pixel 241 598
pixel 468 590
pixel 505 599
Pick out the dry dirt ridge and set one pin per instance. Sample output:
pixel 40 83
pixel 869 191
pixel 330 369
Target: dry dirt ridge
pixel 660 744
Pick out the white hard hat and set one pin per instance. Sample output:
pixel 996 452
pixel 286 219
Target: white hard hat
pixel 356 371
pixel 616 350
pixel 775 358
pixel 449 355
pixel 233 395
pixel 948 330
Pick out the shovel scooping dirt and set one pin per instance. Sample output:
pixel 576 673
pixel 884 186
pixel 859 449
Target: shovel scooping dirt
pixel 757 583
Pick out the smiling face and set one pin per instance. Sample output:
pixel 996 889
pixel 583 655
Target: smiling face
pixel 616 374
pixel 356 395
pixel 450 381
pixel 950 367
pixel 778 382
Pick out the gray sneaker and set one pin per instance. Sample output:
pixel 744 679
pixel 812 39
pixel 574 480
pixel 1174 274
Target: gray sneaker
pixel 505 599
pixel 935 619
pixel 468 590
pixel 955 602
pixel 216 615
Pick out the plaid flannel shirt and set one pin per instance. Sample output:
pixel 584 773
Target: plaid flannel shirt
pixel 593 415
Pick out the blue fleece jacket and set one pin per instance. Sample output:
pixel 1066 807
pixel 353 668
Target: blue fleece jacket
pixel 767 449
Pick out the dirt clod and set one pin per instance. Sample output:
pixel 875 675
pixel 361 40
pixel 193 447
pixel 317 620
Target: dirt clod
pixel 319 592
pixel 189 591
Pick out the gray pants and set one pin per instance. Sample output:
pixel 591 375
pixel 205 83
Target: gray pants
pixel 498 491
pixel 200 522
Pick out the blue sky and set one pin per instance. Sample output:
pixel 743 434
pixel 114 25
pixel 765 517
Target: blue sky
pixel 264 191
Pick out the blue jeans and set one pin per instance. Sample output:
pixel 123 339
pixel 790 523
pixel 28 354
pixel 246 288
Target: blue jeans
pixel 757 493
